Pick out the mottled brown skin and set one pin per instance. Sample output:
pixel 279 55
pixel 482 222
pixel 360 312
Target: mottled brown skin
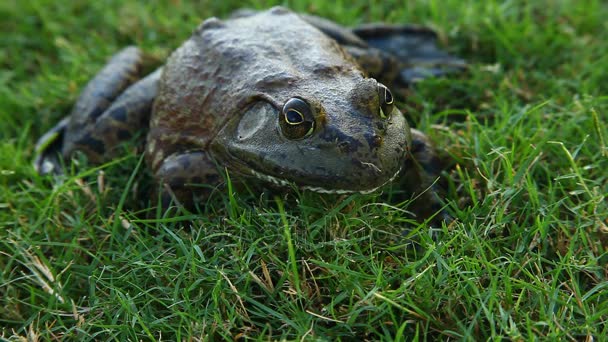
pixel 220 102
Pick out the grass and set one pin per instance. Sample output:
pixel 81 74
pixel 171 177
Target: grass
pixel 526 258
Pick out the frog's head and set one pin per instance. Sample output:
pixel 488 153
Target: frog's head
pixel 347 137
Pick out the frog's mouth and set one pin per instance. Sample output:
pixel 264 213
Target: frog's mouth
pixel 286 183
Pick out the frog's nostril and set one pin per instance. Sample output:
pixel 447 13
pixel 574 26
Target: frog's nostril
pixel 381 125
pixel 376 141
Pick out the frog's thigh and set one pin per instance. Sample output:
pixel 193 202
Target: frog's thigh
pixel 414 47
pixel 344 36
pixel 126 116
pixel 422 177
pixel 99 93
pixel 187 177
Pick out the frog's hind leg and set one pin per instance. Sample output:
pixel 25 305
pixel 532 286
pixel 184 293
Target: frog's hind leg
pixel 103 105
pixel 118 73
pixel 128 115
pixel 396 55
pixel 421 179
pixel 413 47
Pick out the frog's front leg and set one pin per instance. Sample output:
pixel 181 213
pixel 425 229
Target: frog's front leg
pixel 109 111
pixel 421 176
pixel 186 178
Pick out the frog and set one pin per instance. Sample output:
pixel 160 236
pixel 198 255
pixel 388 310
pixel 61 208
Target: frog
pixel 275 96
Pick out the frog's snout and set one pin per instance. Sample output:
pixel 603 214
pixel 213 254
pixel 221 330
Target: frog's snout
pixel 347 146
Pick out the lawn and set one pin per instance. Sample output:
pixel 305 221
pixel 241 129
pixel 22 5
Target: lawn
pixel 524 133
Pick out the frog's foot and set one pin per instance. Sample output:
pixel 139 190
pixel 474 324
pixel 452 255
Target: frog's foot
pixel 48 148
pixel 110 110
pixel 421 179
pixel 186 179
pixel 414 47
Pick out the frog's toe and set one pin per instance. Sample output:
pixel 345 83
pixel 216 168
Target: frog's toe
pixel 441 217
pixel 48 150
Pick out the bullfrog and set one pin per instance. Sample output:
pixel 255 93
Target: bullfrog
pixel 285 98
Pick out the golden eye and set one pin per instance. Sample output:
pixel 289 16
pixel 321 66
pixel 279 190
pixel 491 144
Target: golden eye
pixel 386 100
pixel 296 119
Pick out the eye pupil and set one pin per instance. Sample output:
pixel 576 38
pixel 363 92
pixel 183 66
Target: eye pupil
pixel 294 117
pixel 385 97
pixel 388 97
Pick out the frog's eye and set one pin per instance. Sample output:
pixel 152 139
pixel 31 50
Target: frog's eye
pixel 386 101
pixel 296 119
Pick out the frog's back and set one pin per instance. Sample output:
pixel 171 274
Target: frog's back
pixel 227 64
